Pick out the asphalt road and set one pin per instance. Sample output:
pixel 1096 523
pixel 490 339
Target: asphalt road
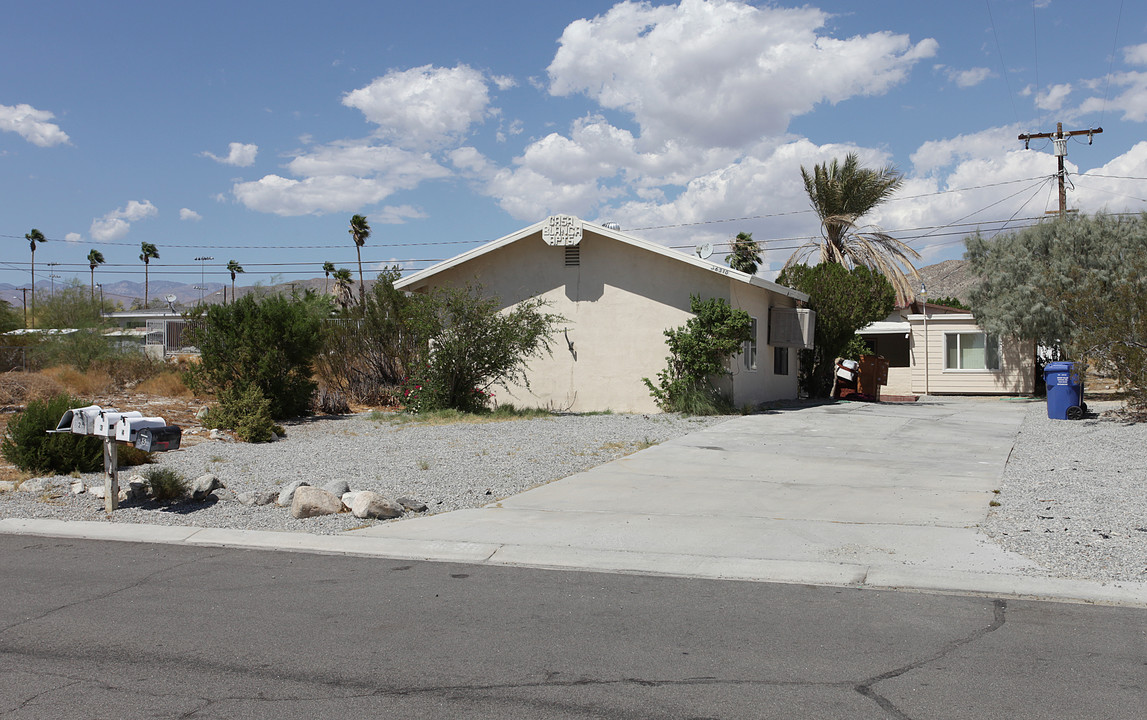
pixel 115 630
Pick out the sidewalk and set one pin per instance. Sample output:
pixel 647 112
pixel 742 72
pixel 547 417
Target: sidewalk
pixel 884 496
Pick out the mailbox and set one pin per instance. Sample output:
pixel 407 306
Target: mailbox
pixel 158 439
pixel 128 427
pixel 81 421
pixel 107 420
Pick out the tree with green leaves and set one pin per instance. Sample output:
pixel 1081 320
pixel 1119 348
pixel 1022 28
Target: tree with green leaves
pixel 469 344
pixel 147 253
pixel 845 300
pixel 841 194
pixel 746 254
pixel 233 268
pixel 328 268
pixel 343 295
pixel 269 342
pixel 360 231
pixel 95 259
pixel 698 358
pixel 34 237
pixel 1073 284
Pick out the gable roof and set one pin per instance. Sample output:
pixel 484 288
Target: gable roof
pixel 423 275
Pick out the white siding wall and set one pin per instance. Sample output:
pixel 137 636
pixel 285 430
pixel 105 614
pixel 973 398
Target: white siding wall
pixel 1017 361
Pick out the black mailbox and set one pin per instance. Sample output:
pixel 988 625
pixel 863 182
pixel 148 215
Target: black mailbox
pixel 158 439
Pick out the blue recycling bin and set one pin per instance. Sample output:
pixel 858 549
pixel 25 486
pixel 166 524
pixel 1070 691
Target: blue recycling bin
pixel 1064 391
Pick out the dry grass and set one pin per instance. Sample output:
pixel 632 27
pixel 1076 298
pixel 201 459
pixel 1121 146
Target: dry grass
pixel 166 384
pixel 81 384
pixel 19 388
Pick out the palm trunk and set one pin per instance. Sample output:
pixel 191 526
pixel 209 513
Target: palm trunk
pixel 145 278
pixel 93 285
pixel 33 288
pixel 361 286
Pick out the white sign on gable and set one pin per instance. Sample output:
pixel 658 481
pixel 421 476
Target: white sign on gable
pixel 562 230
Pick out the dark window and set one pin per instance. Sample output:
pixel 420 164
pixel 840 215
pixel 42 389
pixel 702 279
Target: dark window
pixel 781 361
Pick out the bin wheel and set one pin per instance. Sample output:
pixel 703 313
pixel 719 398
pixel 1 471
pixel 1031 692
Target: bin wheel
pixel 1083 405
pixel 1074 412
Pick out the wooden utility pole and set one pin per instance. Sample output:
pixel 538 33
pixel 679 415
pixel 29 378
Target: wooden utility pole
pixel 1059 139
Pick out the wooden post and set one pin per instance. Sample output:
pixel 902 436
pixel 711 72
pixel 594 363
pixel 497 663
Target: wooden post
pixel 111 474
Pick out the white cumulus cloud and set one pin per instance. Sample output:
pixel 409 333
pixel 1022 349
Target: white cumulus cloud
pixel 238 154
pixel 73 237
pixel 970 77
pixel 719 72
pixel 189 214
pixel 31 124
pixel 115 224
pixel 1053 97
pixel 425 106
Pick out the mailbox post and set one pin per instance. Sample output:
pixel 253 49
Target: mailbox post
pixel 151 434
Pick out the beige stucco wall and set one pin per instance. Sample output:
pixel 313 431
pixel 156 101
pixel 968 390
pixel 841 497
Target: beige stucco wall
pixel 618 301
pixel 1017 361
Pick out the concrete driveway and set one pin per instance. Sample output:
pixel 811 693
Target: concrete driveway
pixel 887 495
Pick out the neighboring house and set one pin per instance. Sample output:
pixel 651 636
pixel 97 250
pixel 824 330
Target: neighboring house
pixel 619 294
pixel 933 350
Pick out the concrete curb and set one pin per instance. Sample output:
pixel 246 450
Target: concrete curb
pixel 882 577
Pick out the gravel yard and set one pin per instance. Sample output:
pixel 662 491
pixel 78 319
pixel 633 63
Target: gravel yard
pixel 1074 497
pixel 447 467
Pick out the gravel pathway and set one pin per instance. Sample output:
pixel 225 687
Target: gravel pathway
pixel 447 467
pixel 1074 497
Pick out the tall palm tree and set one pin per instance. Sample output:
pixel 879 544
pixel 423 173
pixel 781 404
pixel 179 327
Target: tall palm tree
pixel 746 254
pixel 233 267
pixel 147 252
pixel 343 294
pixel 843 193
pixel 95 259
pixel 34 237
pixel 360 231
pixel 328 268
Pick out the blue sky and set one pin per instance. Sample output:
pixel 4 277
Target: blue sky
pixel 253 131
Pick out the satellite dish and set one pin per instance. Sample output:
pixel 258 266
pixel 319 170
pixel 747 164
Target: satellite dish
pixel 170 298
pixel 704 250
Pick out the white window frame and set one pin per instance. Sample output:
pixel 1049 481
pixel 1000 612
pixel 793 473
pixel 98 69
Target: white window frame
pixel 749 352
pixel 990 341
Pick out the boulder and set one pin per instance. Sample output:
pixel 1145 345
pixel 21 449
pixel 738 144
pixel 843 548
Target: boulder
pixel 312 501
pixel 287 493
pixel 97 491
pixel 371 505
pixel 7 486
pixel 202 414
pixel 258 497
pixel 348 497
pixel 411 505
pixel 337 487
pixel 136 488
pixel 202 486
pixel 78 487
pixel 35 485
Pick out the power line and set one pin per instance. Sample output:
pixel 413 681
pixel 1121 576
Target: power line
pixel 1003 66
pixel 1111 61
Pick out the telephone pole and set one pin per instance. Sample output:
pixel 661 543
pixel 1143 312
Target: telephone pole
pixel 1059 140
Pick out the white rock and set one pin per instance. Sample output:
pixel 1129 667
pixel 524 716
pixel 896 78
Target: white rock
pixel 369 504
pixel 78 487
pixel 287 493
pixel 202 486
pixel 348 498
pixel 97 491
pixel 312 501
pixel 7 486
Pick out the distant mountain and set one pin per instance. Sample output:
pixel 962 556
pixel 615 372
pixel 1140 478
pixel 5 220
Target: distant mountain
pixel 948 279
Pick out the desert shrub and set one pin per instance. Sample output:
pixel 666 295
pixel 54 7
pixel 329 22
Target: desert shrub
pixel 366 357
pixel 244 410
pixel 167 383
pixel 29 447
pixel 469 345
pixel 78 382
pixel 330 402
pixel 855 348
pixel 129 456
pixel 165 484
pixel 268 342
pixel 10 317
pixel 698 353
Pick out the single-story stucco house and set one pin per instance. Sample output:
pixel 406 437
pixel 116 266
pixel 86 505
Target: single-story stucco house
pixel 934 350
pixel 619 294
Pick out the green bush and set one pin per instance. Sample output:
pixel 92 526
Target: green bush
pixel 165 484
pixel 268 342
pixel 698 353
pixel 246 411
pixel 28 446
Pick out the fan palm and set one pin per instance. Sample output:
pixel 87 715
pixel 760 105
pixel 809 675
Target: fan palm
pixel 95 259
pixel 34 237
pixel 147 252
pixel 343 294
pixel 746 254
pixel 328 268
pixel 360 231
pixel 233 267
pixel 843 193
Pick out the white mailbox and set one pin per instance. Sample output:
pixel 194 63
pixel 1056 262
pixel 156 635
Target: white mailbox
pixel 107 420
pixel 81 421
pixel 128 427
